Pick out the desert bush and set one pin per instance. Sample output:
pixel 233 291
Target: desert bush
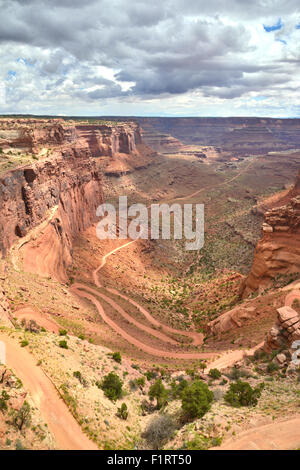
pixel 177 388
pixel 218 394
pixel 68 398
pixel 272 367
pixel 147 407
pixel 242 394
pixel 19 445
pixel 3 405
pixel 63 344
pixel 62 332
pixel 123 411
pixel 22 417
pixel 159 392
pixel 30 325
pixel 236 373
pixel 3 399
pixel 201 442
pixel 137 383
pixel 159 431
pixel 215 374
pixel 133 385
pixel 117 357
pixel 79 376
pixel 140 381
pixel 112 386
pixel 196 399
pixel 150 375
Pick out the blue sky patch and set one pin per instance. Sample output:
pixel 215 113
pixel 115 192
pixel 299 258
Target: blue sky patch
pixel 281 40
pixel 24 61
pixel 274 27
pixel 259 98
pixel 11 74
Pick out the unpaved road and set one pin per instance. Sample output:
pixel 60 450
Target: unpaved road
pixel 281 435
pixel 84 291
pixel 229 358
pixel 196 337
pixel 87 292
pixel 66 431
pixel 294 295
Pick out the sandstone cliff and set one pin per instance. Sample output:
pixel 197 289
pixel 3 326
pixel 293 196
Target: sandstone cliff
pixel 110 140
pixel 278 251
pixel 44 205
pixel 238 135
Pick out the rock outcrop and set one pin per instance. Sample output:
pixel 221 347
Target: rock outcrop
pixel 232 319
pixel 278 251
pixel 285 331
pixel 104 140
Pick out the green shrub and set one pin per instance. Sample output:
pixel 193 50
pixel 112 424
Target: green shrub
pixel 62 332
pixel 236 374
pixel 147 407
pixel 196 399
pixel 140 381
pixel 242 394
pixel 22 417
pixel 150 375
pixel 272 367
pixel 117 357
pixel 200 442
pixel 177 389
pixel 24 343
pixel 63 344
pixel 159 392
pixel 123 411
pixel 79 376
pixel 215 374
pixel 112 386
pixel 3 405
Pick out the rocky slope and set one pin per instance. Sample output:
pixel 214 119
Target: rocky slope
pixel 278 251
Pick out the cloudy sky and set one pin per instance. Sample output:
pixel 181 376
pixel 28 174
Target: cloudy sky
pixel 157 57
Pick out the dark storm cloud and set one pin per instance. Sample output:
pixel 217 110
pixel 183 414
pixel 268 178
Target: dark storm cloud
pixel 164 47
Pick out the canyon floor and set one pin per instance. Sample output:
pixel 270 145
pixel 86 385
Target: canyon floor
pixel 152 301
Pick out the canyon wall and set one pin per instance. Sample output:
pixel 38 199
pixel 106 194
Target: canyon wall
pixel 44 205
pixel 238 135
pixel 105 140
pixel 64 192
pixel 278 251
